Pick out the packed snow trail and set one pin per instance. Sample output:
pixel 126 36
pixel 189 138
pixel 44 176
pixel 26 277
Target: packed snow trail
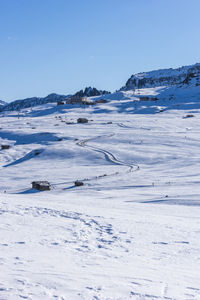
pixel 82 143
pixel 108 155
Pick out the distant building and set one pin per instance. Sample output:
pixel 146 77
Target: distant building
pixel 144 98
pixel 41 185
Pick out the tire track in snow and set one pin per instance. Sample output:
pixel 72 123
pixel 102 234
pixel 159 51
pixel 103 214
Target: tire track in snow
pixel 108 155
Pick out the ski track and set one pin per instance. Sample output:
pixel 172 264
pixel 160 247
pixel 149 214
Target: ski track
pixel 83 143
pixel 108 155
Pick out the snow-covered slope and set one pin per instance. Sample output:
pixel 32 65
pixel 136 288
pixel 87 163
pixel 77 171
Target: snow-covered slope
pixel 155 91
pixel 2 103
pixel 18 105
pixel 31 102
pixel 131 231
pixel 165 77
pixel 181 85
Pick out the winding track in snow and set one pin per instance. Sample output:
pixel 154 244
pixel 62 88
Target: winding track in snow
pixel 108 155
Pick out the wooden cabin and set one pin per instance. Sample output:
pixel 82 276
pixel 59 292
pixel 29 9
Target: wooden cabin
pixel 41 185
pixel 144 98
pixel 5 147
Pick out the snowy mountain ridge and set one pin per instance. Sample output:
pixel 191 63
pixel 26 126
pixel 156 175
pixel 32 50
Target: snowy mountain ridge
pixel 131 229
pixel 181 84
pixel 180 76
pixel 34 101
pixel 2 103
pixel 51 98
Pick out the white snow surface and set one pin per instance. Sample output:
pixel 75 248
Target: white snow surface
pixel 168 72
pixel 132 231
pixel 2 103
pixel 186 75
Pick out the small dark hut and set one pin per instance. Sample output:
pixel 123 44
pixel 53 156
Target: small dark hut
pixel 189 116
pixel 3 147
pixel 74 100
pixel 78 183
pixel 144 98
pixel 101 101
pixel 60 103
pixel 41 185
pixel 82 120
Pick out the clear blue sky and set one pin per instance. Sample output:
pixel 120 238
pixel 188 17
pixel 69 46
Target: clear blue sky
pixel 64 45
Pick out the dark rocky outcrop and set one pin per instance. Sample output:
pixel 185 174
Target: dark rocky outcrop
pixel 90 92
pixel 180 76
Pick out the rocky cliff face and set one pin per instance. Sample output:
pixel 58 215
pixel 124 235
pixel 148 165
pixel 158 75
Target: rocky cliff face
pixel 90 92
pixel 166 77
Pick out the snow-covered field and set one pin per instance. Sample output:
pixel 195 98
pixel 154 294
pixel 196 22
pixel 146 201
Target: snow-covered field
pixel 131 232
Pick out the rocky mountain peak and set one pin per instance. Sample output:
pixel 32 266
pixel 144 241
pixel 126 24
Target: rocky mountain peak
pixel 165 77
pixel 90 92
